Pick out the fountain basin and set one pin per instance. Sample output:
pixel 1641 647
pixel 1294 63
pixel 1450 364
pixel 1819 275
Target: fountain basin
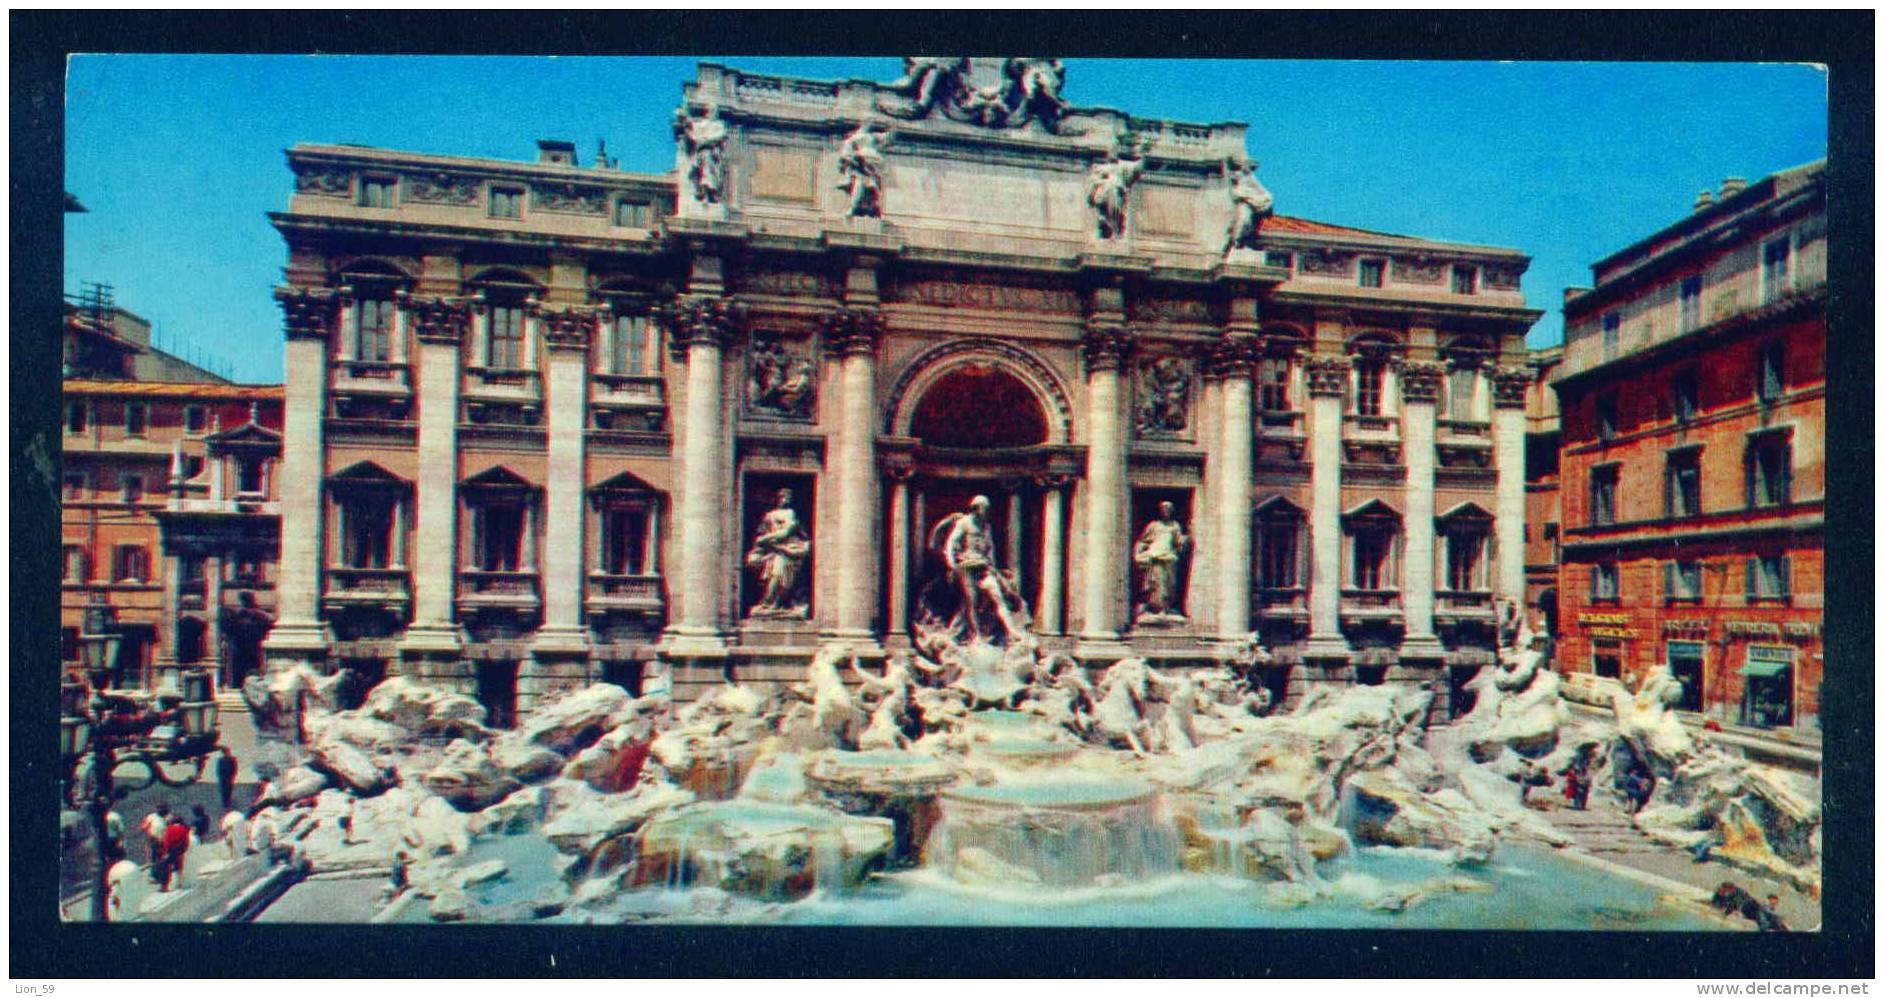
pixel 900 786
pixel 779 852
pixel 1053 832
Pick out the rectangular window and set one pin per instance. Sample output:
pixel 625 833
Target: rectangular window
pixel 1367 387
pixel 192 466
pixel 130 563
pixel 132 487
pixel 1464 280
pixel 72 567
pixel 366 534
pixel 624 542
pixel 633 214
pixel 69 644
pixel 136 418
pixel 1681 580
pixel 1687 396
pixel 1371 271
pixel 1769 471
pixel 1776 268
pixel 76 414
pixel 1272 384
pixel 1462 392
pixel 1278 559
pixel 1607 663
pixel 1286 261
pixel 500 538
pixel 195 419
pixel 1690 302
pixel 506 339
pixel 1550 534
pixel 249 476
pixel 1606 417
pixel 1773 371
pixel 75 484
pixel 376 192
pixel 1612 334
pixel 506 202
pixel 1682 487
pixel 1769 577
pixel 1603 482
pixel 1465 556
pixel 374 329
pixel 1371 549
pixel 1605 583
pixel 628 346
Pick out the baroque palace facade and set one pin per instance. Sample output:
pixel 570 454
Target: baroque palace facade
pixel 1692 392
pixel 548 423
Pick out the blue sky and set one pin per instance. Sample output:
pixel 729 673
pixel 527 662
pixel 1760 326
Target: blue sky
pixel 179 157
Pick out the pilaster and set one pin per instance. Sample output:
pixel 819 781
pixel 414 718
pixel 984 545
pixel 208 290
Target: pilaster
pixel 439 325
pixel 1508 387
pixel 308 319
pixel 1233 362
pixel 566 347
pixel 1107 343
pixel 698 326
pixel 851 333
pixel 1327 385
pixel 1419 391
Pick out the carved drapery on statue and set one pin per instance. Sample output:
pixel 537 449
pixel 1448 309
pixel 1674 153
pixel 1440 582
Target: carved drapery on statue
pixel 1158 555
pixel 703 140
pixel 1109 188
pixel 966 597
pixel 1029 90
pixel 1164 395
pixel 781 380
pixel 860 169
pixel 778 554
pixel 1252 202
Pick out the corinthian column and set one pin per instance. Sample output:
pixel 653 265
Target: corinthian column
pixel 1234 362
pixel 1419 393
pixel 899 476
pixel 1327 384
pixel 1508 388
pixel 698 327
pixel 308 316
pixel 1051 612
pixel 852 334
pixel 566 341
pixel 1106 346
pixel 440 326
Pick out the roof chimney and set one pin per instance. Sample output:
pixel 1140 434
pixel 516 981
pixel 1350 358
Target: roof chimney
pixel 1732 186
pixel 1705 199
pixel 556 152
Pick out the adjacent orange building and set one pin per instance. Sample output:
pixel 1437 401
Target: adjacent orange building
pixel 1692 391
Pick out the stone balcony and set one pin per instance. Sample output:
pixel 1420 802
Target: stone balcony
pixel 629 401
pixel 388 589
pixel 384 379
pixel 1285 603
pixel 1371 606
pixel 483 590
pixel 625 594
pixel 1458 606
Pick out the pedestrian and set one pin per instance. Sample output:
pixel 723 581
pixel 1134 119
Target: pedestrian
pixel 226 768
pixel 1767 916
pixel 1638 788
pixel 1703 848
pixel 153 827
pixel 176 845
pixel 199 822
pixel 234 834
pixel 114 836
pixel 1732 899
pixel 346 824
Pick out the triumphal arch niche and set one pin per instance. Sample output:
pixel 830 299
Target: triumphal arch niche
pixel 959 297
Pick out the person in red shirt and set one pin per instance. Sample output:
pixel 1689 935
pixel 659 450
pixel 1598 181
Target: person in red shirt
pixel 176 844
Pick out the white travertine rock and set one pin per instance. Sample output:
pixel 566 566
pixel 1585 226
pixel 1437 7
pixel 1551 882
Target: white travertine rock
pixel 469 778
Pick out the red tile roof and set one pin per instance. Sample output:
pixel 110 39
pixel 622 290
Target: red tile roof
pixel 168 389
pixel 1308 226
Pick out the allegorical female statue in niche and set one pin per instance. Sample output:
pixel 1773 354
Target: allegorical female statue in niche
pixel 778 554
pixel 1161 547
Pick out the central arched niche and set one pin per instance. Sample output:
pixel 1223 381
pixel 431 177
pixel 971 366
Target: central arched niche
pixel 979 407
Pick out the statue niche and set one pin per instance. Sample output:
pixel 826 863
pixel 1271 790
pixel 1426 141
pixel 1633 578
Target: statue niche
pixel 777 559
pixel 1159 557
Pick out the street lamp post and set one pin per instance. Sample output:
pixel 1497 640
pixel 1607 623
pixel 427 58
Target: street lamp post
pixel 98 642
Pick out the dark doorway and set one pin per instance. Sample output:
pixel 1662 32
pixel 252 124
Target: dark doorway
pixel 1370 675
pixel 366 673
pixel 1460 698
pixel 1685 662
pixel 626 675
pixel 1607 663
pixel 497 691
pixel 1276 680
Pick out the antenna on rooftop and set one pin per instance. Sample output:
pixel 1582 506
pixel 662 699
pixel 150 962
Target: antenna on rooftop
pixel 95 299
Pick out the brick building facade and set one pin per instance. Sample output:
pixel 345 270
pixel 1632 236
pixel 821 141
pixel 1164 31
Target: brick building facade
pixel 1693 465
